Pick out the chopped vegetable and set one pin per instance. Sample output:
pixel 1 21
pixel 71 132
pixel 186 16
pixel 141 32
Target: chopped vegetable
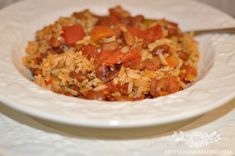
pixel 115 57
pixel 149 35
pixel 172 61
pixel 73 33
pixel 89 51
pixel 99 32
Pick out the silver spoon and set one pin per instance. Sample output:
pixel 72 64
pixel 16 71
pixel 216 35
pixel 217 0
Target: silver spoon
pixel 230 30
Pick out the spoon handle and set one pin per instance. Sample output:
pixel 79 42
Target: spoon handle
pixel 230 30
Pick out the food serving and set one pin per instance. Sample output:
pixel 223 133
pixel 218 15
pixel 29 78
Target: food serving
pixel 118 57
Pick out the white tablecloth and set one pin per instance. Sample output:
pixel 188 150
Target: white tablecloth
pixel 211 134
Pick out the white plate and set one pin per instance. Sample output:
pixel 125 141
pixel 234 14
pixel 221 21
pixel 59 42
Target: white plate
pixel 215 86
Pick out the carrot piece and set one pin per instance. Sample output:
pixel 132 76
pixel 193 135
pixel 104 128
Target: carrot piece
pixel 100 32
pixel 72 33
pixel 172 61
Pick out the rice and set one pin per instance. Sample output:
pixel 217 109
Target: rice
pixel 117 57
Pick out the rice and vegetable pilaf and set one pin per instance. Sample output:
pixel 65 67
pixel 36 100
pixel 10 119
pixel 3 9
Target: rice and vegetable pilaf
pixel 118 57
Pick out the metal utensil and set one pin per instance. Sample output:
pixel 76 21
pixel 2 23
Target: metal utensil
pixel 230 30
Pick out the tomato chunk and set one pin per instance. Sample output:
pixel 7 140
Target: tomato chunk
pixel 138 32
pixel 148 35
pixel 133 57
pixel 73 33
pixel 100 32
pixel 115 58
pixel 154 33
pixel 110 58
pixel 89 51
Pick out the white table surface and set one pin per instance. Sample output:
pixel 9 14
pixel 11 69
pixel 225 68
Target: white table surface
pixel 22 135
pixel 210 134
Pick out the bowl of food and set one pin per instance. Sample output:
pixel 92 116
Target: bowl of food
pixel 117 57
pixel 126 67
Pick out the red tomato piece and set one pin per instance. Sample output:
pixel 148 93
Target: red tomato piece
pixel 114 58
pixel 73 33
pixel 154 33
pixel 148 35
pixel 89 51
pixel 138 32
pixel 103 55
pixel 131 58
pixel 110 58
